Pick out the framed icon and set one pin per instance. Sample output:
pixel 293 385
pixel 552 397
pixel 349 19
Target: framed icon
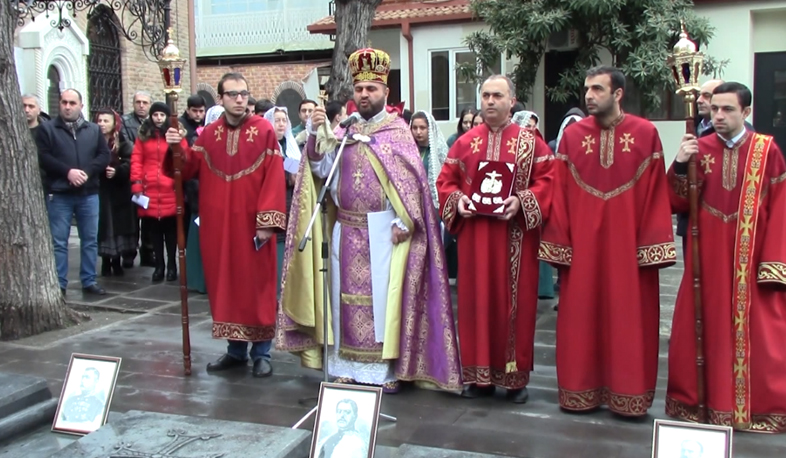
pixel 87 393
pixel 676 439
pixel 346 422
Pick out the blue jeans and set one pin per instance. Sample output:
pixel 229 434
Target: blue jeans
pixel 61 207
pixel 239 349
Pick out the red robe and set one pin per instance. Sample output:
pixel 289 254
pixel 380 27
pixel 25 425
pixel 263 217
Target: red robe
pixel 744 303
pixel 241 189
pixel 498 272
pixel 609 232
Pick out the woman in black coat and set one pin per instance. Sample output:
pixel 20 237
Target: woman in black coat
pixel 116 232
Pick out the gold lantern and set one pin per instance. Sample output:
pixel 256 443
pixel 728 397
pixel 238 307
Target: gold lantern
pixel 686 64
pixel 172 67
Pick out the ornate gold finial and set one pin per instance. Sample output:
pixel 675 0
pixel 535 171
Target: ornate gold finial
pixel 684 45
pixel 323 97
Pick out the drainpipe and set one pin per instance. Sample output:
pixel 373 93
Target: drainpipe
pixel 407 33
pixel 192 47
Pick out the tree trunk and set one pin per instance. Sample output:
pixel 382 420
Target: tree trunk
pixel 30 298
pixel 353 22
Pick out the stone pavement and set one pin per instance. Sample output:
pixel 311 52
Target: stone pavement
pixel 140 322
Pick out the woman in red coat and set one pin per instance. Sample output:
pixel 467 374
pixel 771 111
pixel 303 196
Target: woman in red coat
pixel 146 179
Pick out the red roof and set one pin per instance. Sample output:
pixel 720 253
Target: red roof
pixel 393 12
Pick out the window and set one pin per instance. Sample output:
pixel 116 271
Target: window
pixel 244 6
pixel 449 92
pixel 671 107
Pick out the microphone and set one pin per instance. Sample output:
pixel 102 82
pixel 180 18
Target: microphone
pixel 352 119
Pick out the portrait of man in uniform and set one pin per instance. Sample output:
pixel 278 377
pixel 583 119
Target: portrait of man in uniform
pixel 87 393
pixel 346 424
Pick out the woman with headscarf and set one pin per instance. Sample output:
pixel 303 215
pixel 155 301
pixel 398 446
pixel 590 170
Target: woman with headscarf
pixel 278 117
pixel 148 180
pixel 116 232
pixel 464 124
pixel 530 120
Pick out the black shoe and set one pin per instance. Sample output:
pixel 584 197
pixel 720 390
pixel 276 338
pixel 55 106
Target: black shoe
pixel 171 275
pixel 106 266
pixel 518 396
pixel 63 291
pixel 473 391
pixel 158 274
pixel 226 362
pixel 556 307
pixel 128 263
pixel 262 368
pixel 94 289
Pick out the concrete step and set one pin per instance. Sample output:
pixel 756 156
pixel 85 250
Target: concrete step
pixel 27 419
pixel 18 392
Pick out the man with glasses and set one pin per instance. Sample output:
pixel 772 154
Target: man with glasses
pixel 241 177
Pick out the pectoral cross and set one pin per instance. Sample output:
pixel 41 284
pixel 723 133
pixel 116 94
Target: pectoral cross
pixel 706 162
pixel 251 132
pixel 587 143
pixel 219 130
pixel 627 140
pixel 476 142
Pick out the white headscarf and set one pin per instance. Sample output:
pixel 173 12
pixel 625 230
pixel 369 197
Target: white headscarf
pixel 568 119
pixel 438 152
pixel 213 114
pixel 522 118
pixel 292 152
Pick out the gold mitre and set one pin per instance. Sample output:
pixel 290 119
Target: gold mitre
pixel 369 65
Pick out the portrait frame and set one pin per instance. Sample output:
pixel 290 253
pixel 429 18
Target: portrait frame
pixel 368 401
pixel 79 413
pixel 669 437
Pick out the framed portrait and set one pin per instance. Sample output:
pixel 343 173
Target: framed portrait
pixel 676 439
pixel 346 421
pixel 87 393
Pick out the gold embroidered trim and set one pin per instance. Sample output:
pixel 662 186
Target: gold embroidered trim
pixel 778 179
pixel 652 255
pixel 352 219
pixel 233 138
pixel 623 404
pixel 450 211
pixel 356 299
pixel 484 375
pixel 557 254
pixel 767 423
pixel 772 272
pixel 531 209
pixel 242 332
pixel 544 159
pixel 458 162
pixel 719 214
pixel 361 355
pixel 615 192
pixel 271 219
pixel 731 160
pixel 607 148
pixel 238 175
pixel 679 184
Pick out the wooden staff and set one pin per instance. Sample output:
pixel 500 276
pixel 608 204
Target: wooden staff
pixel 177 161
pixel 693 201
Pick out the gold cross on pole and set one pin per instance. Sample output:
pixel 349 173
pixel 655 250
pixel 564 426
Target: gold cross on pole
pixel 323 98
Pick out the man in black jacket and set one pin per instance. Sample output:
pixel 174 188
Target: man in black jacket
pixel 73 153
pixel 192 119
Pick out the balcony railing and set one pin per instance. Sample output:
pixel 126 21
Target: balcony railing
pixel 260 32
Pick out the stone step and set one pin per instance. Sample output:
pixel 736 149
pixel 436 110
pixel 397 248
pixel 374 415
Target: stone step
pixel 27 419
pixel 18 392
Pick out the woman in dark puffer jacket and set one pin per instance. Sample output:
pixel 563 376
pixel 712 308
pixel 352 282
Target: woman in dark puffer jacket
pixel 148 180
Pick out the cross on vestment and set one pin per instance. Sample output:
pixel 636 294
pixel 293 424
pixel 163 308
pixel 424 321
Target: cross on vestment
pixel 251 132
pixel 219 130
pixel 476 142
pixel 587 143
pixel 627 140
pixel 706 162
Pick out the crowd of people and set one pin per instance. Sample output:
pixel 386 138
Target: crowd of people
pixel 491 209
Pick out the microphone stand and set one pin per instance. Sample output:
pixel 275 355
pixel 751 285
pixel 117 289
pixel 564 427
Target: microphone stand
pixel 321 209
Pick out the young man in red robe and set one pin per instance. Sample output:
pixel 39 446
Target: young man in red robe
pixel 609 232
pixel 497 299
pixel 743 274
pixel 242 203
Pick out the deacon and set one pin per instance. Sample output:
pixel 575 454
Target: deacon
pixel 742 219
pixel 498 300
pixel 241 204
pixel 609 232
pixel 392 318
